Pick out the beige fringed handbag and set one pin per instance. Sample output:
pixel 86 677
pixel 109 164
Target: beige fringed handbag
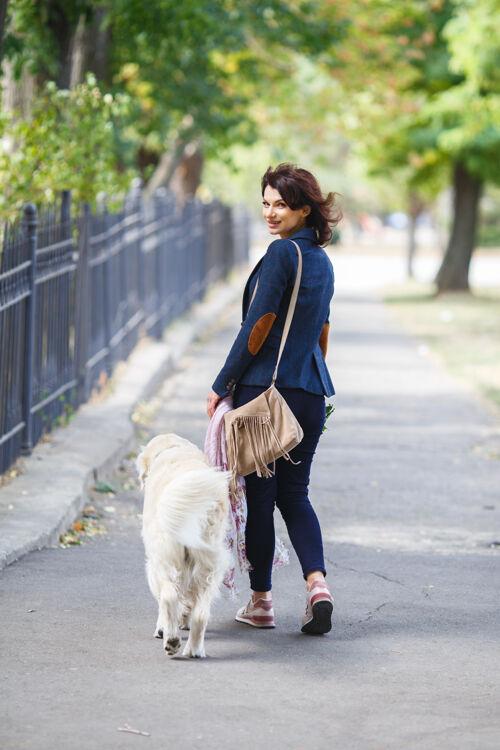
pixel 265 428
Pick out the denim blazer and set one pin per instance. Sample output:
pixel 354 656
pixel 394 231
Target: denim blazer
pixel 253 355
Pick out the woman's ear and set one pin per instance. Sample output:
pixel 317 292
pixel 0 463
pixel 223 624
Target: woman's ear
pixel 306 210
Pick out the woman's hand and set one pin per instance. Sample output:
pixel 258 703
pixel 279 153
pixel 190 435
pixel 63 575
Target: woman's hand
pixel 213 399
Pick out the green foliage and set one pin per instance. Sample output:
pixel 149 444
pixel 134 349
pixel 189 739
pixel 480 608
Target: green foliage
pixel 198 69
pixel 328 412
pixel 35 31
pixel 474 43
pixel 67 142
pixel 436 99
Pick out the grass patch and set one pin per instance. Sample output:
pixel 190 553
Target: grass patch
pixel 462 329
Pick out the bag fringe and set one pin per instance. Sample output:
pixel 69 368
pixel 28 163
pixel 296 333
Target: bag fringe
pixel 261 437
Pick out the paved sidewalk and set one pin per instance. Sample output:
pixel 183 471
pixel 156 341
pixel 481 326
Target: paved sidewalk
pixel 406 485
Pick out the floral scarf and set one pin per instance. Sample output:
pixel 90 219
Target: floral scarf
pixel 215 451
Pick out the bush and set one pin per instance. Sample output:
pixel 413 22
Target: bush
pixel 68 142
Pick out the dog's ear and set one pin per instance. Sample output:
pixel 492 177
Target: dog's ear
pixel 142 466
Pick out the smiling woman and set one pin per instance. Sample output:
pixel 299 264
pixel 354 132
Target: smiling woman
pixel 295 211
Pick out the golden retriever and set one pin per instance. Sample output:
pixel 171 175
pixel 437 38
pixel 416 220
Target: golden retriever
pixel 186 505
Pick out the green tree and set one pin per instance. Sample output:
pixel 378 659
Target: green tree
pixel 424 89
pixel 467 117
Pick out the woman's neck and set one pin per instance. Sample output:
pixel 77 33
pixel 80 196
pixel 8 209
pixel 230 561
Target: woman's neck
pixel 294 231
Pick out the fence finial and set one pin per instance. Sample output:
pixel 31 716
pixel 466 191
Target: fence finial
pixel 30 214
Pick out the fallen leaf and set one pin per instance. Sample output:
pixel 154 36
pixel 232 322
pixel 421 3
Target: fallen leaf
pixel 103 487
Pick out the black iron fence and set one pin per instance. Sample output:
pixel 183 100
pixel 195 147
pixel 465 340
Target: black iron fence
pixel 76 294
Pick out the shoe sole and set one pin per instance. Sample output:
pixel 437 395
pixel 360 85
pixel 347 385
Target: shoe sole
pixel 253 624
pixel 321 621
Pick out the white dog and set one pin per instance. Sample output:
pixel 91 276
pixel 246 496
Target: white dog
pixel 186 504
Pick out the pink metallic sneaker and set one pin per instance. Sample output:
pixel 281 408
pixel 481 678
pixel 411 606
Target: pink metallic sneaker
pixel 319 608
pixel 259 614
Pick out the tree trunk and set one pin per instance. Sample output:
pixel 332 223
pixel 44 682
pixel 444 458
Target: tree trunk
pixel 63 32
pixel 3 15
pixel 454 272
pixel 415 208
pixel 78 53
pixel 187 175
pixel 178 170
pixel 164 170
pixel 17 94
pixel 99 44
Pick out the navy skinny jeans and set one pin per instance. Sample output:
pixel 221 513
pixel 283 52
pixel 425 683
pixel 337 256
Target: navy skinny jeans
pixel 287 489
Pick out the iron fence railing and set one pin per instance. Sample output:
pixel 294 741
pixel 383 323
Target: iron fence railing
pixel 76 294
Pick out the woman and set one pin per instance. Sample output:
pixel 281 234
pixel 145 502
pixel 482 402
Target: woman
pixel 294 209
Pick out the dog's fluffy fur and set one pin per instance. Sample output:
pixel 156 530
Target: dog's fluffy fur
pixel 184 522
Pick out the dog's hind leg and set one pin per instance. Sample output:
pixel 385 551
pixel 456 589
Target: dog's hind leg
pixel 154 587
pixel 195 646
pixel 169 616
pixel 186 590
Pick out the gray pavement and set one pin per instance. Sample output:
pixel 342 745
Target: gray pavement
pixel 406 484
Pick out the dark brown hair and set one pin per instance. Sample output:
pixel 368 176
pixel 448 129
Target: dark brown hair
pixel 298 188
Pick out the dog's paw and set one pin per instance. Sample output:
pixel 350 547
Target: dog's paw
pixel 172 645
pixel 159 633
pixel 191 653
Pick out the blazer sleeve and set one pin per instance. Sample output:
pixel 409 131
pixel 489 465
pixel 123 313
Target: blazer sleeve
pixel 278 267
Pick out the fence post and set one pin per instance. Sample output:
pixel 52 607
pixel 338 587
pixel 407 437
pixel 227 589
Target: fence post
pixel 107 294
pixel 82 301
pixel 161 205
pixel 66 213
pixel 30 222
pixel 137 189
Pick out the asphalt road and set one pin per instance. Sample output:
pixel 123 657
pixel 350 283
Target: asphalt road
pixel 406 484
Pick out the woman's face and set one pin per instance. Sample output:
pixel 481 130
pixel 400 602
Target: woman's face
pixel 280 218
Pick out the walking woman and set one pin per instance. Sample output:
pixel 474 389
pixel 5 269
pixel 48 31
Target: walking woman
pixel 294 209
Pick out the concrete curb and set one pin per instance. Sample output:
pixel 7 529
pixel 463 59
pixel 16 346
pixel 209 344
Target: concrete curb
pixel 44 500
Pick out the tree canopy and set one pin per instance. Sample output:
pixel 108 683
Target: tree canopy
pixel 413 87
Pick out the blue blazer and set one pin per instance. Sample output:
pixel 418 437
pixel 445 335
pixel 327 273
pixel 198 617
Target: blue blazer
pixel 253 356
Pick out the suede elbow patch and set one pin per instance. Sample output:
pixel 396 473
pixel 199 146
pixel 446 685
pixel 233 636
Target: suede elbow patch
pixel 260 332
pixel 323 339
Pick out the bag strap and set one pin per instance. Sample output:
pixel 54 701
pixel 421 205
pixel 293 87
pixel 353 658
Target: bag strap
pixel 291 309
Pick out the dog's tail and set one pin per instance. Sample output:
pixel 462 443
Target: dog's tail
pixel 186 502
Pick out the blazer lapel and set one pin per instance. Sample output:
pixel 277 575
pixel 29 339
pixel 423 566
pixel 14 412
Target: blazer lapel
pixel 246 293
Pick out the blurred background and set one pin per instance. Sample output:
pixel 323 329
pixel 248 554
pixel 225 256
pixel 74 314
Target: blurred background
pixel 394 106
